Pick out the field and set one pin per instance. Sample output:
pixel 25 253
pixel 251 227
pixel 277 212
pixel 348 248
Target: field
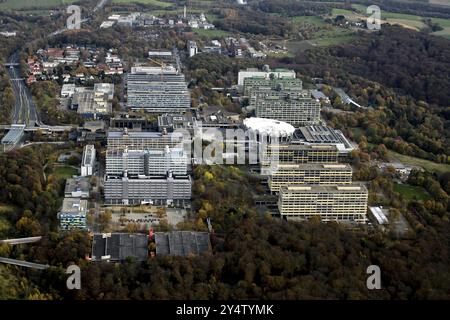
pixel 214 33
pixel 62 172
pixel 406 20
pixel 411 192
pixel 426 164
pixel 153 2
pixel 27 4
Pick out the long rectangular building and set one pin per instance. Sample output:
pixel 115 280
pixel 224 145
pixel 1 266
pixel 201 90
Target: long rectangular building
pixel 284 175
pixel 292 153
pixel 329 203
pixel 130 190
pixel 135 140
pixel 298 110
pixel 161 92
pixel 146 162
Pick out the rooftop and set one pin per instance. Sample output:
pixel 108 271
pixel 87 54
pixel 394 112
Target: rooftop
pixel 269 126
pixel 119 246
pixel 182 243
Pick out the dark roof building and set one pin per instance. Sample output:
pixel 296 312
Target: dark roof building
pixel 119 246
pixel 182 243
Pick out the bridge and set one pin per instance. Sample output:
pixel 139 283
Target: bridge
pixel 25 264
pixel 21 240
pixel 11 64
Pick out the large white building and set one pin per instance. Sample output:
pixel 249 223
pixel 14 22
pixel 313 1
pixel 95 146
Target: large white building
pixel 147 162
pixel 88 161
pixel 276 73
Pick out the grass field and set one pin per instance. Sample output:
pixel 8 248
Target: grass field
pixel 411 192
pixel 153 2
pixel 212 33
pixel 426 164
pixel 62 172
pixel 27 4
pixel 318 21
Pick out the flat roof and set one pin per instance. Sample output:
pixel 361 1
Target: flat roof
pixel 14 134
pixel 119 246
pixel 74 206
pixel 321 188
pixel 182 243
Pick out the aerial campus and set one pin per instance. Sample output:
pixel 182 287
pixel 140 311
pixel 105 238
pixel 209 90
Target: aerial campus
pixel 151 131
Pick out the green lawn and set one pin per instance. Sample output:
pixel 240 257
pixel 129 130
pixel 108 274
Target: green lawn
pixel 153 2
pixel 426 164
pixel 26 4
pixel 214 33
pixel 409 192
pixel 62 172
pixel 318 21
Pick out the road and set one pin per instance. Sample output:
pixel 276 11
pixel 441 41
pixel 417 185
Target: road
pixel 24 109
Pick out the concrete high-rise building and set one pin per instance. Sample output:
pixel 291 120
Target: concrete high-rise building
pixel 292 153
pixel 137 140
pixel 283 175
pixel 159 190
pixel 259 86
pixel 192 48
pixel 297 109
pixel 157 90
pixel 147 162
pixel 282 99
pixel 329 203
pixel 88 161
pixel 267 74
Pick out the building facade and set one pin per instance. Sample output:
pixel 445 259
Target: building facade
pixel 158 190
pixel 73 214
pixel 284 175
pixel 147 162
pixel 161 92
pixel 329 203
pixel 134 140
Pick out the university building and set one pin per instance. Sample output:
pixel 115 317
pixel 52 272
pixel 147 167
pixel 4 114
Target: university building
pixel 283 175
pixel 329 203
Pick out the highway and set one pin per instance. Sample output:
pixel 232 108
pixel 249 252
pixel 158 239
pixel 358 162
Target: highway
pixel 24 109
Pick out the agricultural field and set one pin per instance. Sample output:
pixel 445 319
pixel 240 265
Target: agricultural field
pixel 409 192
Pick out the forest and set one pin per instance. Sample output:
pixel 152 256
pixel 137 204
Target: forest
pixel 254 255
pixel 402 75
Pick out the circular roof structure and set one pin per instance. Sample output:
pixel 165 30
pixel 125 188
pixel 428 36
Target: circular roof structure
pixel 269 127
